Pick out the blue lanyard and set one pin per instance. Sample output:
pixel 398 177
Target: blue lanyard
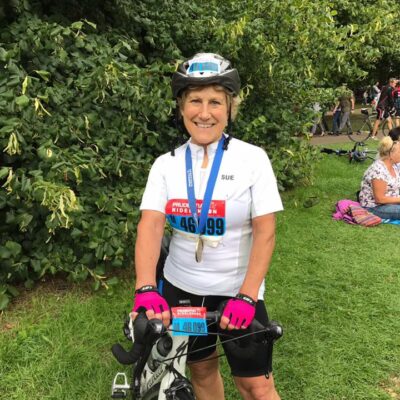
pixel 200 223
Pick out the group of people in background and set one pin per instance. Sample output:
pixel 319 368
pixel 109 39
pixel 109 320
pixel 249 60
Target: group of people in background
pixel 341 112
pixel 384 100
pixel 380 186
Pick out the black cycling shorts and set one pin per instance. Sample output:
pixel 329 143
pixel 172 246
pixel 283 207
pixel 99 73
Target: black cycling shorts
pixel 383 113
pixel 249 359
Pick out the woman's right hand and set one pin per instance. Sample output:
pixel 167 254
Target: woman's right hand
pixel 156 306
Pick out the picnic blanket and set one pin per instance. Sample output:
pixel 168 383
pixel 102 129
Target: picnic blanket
pixel 391 221
pixel 351 212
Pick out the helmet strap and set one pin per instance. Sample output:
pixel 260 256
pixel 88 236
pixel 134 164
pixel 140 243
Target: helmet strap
pixel 228 129
pixel 180 127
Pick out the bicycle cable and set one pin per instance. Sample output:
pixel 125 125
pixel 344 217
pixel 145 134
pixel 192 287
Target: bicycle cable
pixel 212 345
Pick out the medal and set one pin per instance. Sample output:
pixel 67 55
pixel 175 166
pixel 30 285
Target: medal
pixel 199 249
pixel 201 222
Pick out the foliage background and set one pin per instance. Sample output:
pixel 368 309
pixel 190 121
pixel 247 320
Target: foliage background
pixel 86 107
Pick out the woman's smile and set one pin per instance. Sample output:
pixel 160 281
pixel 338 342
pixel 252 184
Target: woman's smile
pixel 205 115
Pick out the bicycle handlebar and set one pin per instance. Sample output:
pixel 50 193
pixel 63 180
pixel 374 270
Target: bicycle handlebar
pixel 146 332
pixel 272 331
pixel 127 357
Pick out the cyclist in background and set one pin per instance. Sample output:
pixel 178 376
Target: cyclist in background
pixel 384 106
pixel 219 194
pixel 396 102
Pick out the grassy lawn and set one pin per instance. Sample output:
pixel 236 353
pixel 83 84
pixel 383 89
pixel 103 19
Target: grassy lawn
pixel 334 287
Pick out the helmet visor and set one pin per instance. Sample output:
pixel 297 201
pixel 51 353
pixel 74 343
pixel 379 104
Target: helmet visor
pixel 199 68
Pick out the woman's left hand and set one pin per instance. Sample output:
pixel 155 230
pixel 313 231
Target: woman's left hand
pixel 237 314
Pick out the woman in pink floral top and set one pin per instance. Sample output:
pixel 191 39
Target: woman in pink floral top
pixel 380 187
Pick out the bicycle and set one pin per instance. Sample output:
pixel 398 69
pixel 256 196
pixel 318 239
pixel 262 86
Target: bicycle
pixel 358 153
pixel 364 131
pixel 159 358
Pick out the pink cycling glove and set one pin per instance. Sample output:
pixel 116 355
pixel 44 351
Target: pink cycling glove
pixel 240 311
pixel 149 298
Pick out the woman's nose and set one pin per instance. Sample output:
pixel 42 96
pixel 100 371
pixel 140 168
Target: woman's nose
pixel 205 111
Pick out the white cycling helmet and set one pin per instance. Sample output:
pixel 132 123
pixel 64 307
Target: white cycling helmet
pixel 205 69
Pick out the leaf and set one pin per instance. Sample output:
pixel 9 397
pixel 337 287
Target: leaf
pixel 96 285
pixel 3 54
pixel 25 85
pixel 45 75
pixel 4 300
pixel 4 172
pixel 12 290
pixel 4 253
pixel 75 233
pixel 100 270
pixel 112 281
pixel 77 25
pixel 22 101
pixel 93 25
pixel 14 247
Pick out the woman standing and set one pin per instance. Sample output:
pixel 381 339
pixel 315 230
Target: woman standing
pixel 219 195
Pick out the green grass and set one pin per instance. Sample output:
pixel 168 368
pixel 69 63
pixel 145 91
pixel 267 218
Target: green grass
pixel 334 287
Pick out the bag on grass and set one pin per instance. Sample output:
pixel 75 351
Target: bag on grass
pixel 363 217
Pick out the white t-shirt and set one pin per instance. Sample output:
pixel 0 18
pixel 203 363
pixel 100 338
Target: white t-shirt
pixel 245 188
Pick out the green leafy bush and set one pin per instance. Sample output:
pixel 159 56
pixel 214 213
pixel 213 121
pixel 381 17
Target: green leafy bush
pixel 78 133
pixel 86 107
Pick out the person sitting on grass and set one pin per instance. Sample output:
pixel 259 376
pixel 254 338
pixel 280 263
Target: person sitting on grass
pixel 380 186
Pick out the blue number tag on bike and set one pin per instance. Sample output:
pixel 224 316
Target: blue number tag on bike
pixel 189 321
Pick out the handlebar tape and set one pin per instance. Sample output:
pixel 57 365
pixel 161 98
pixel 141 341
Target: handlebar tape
pixel 127 357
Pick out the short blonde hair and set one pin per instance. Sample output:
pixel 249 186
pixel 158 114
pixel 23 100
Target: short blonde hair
pixel 232 101
pixel 386 146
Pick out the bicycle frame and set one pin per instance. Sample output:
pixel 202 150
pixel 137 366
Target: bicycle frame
pixel 162 378
pixel 154 384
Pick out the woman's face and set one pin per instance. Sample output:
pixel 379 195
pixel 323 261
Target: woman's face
pixel 395 152
pixel 205 114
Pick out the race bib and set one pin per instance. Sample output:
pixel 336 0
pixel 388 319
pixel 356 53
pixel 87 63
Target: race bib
pixel 189 321
pixel 180 218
